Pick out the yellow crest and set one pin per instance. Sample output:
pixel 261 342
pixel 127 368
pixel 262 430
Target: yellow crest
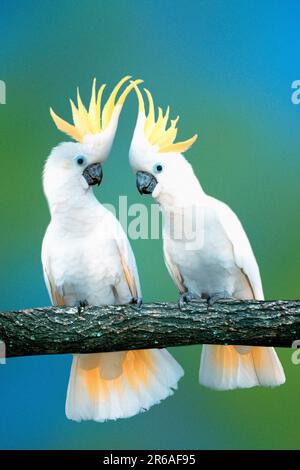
pixel 97 117
pixel 157 131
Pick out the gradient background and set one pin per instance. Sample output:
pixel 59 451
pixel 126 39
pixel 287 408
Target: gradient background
pixel 226 68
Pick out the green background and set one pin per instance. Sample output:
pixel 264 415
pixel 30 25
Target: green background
pixel 226 68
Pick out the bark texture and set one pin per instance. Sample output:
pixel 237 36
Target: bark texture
pixel 56 330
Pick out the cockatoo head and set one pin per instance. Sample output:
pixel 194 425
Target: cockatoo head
pixel 74 167
pixel 161 169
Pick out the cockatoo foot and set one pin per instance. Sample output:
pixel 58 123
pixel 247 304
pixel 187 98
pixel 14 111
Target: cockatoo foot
pixel 82 306
pixel 185 298
pixel 137 301
pixel 219 296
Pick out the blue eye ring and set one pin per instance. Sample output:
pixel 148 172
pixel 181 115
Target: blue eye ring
pixel 158 168
pixel 80 160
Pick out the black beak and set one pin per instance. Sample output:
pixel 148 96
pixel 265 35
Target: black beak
pixel 93 174
pixel 145 182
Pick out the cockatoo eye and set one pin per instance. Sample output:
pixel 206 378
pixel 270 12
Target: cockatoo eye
pixel 80 160
pixel 158 168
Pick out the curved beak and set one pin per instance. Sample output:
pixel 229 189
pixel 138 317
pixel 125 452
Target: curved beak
pixel 93 174
pixel 145 182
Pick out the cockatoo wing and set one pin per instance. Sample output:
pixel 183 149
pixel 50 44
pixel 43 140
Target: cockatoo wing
pixel 243 254
pixel 174 271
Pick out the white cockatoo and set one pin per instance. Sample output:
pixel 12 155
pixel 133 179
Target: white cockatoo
pixel 87 259
pixel 206 250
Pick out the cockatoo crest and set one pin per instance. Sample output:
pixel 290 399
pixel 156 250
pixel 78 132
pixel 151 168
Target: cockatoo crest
pixel 96 125
pixel 155 133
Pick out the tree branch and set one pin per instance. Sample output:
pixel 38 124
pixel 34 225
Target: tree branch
pixel 56 330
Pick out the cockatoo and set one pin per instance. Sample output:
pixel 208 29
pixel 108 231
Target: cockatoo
pixel 216 262
pixel 87 259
